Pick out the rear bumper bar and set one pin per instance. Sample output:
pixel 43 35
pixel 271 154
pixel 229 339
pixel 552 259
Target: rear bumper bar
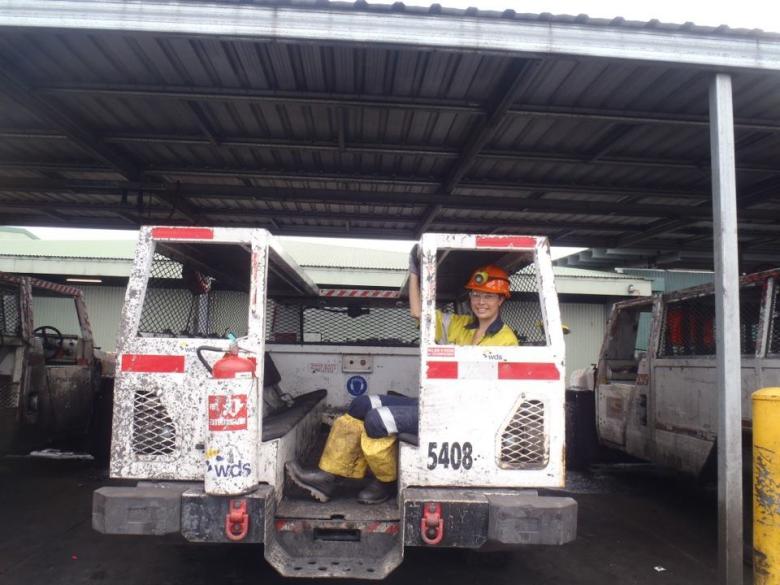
pixel 156 509
pixel 489 518
pixel 472 518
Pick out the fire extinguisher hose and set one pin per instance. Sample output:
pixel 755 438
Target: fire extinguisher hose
pixel 203 348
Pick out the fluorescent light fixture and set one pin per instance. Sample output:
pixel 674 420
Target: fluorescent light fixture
pixel 89 280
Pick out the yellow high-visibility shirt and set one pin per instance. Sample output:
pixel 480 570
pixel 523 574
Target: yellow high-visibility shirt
pixel 460 330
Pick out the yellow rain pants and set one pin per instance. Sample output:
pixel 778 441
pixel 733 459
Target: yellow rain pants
pixel 349 451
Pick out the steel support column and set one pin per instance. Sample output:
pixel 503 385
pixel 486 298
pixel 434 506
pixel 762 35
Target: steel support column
pixel 724 211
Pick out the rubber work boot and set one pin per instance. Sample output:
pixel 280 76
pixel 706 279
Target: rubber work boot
pixel 320 484
pixel 377 492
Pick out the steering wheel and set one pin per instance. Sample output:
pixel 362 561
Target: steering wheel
pixel 50 348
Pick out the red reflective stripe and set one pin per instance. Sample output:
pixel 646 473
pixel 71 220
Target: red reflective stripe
pixel 157 364
pixel 506 242
pixel 182 233
pixel 448 370
pixel 527 371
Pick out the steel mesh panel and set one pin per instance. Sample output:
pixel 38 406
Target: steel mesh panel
pixel 153 430
pixel 9 393
pixel 689 324
pixel 282 323
pixel 173 308
pixel 523 441
pixel 750 299
pixel 523 312
pixel 10 322
pixel 387 326
pixel 774 327
pixel 228 312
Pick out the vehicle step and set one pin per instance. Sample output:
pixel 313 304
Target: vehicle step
pixel 348 568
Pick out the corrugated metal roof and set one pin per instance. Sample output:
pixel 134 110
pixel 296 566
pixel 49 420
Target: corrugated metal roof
pixel 10 233
pixel 437 9
pixel 332 135
pixel 564 271
pixel 88 249
pixel 308 254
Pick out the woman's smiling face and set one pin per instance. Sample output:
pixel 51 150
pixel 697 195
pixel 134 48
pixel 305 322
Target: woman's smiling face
pixel 485 306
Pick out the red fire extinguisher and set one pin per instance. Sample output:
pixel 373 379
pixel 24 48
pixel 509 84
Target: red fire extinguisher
pixel 232 417
pixel 230 365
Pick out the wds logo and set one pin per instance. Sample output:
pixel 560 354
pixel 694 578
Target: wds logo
pixel 221 468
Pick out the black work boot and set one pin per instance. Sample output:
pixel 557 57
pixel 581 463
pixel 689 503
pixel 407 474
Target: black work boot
pixel 377 492
pixel 320 484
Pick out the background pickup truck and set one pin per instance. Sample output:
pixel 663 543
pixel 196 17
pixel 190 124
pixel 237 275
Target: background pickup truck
pixel 55 386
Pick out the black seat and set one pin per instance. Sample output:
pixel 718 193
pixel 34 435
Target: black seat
pixel 271 376
pixel 283 417
pixel 282 422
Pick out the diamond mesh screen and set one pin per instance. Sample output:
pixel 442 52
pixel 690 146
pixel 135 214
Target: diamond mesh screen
pixel 689 324
pixel 749 318
pixel 153 430
pixel 183 302
pixel 523 312
pixel 9 393
pixel 774 327
pixel 369 324
pixel 523 441
pixel 283 323
pixel 10 323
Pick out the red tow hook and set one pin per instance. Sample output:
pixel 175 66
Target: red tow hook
pixel 236 520
pixel 432 524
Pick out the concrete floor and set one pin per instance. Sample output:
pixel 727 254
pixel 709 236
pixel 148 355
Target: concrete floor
pixel 634 520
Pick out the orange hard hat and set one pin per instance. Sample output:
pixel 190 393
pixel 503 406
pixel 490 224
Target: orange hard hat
pixel 490 279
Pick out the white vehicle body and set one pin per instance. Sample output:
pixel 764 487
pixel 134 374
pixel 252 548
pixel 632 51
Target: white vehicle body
pixel 491 418
pixel 656 389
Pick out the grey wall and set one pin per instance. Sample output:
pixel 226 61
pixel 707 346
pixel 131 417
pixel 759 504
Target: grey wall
pixel 667 281
pixel 587 323
pixel 104 305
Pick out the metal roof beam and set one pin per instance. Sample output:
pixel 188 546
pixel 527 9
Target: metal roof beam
pixel 519 76
pixel 429 183
pixel 637 117
pixel 220 95
pixel 563 206
pixel 19 91
pixel 757 195
pixel 32 134
pixel 516 80
pixel 764 191
pixel 388 149
pixel 202 120
pixel 363 148
pixel 347 101
pixel 177 203
pixel 248 213
pixel 400 28
pixel 608 141
pixel 658 228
